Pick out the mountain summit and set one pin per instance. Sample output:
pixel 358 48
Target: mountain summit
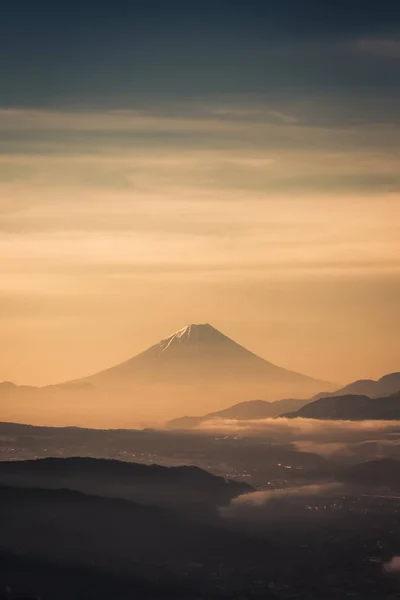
pixel 200 355
pixel 194 334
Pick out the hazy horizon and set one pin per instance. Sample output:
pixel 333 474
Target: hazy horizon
pixel 83 371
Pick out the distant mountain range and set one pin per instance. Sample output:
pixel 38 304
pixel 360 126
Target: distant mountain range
pixel 195 371
pixel 344 401
pixel 252 409
pixel 385 386
pixel 351 408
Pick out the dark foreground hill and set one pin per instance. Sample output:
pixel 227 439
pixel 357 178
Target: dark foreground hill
pixel 252 409
pixel 78 529
pixel 351 408
pixel 63 545
pixel 187 487
pixel 243 458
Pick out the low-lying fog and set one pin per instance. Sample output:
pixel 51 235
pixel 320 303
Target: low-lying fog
pixel 312 435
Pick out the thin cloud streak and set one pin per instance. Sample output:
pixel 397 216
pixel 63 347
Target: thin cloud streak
pixel 303 429
pixel 255 506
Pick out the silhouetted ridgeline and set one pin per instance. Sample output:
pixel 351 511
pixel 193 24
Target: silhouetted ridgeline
pixel 385 386
pixel 236 457
pixel 70 528
pixel 261 409
pixel 60 544
pixel 186 487
pixel 252 409
pixel 351 407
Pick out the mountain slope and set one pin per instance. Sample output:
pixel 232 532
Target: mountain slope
pixel 185 486
pixel 194 371
pixel 351 408
pixel 252 409
pixel 200 354
pixel 110 533
pixel 385 386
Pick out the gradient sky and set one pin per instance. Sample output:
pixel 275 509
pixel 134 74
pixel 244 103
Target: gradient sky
pixel 167 162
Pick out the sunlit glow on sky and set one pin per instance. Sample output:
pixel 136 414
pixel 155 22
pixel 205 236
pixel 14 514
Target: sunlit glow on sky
pixel 274 215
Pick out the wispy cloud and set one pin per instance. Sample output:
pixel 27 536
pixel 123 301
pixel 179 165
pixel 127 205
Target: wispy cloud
pixel 258 505
pixel 314 435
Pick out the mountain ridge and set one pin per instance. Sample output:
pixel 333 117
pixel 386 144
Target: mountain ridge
pixel 385 386
pixel 186 486
pixel 351 408
pixel 251 409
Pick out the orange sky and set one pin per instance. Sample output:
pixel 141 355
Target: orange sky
pixel 283 234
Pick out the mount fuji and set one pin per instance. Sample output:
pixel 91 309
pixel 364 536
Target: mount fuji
pixel 199 354
pixel 196 370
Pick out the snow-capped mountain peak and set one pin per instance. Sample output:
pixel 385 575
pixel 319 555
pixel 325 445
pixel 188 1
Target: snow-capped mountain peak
pixel 194 334
pixel 200 355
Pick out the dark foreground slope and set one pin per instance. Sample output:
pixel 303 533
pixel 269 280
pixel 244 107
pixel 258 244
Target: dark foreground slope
pixel 70 528
pixel 58 544
pixel 241 458
pixel 188 488
pixel 352 408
